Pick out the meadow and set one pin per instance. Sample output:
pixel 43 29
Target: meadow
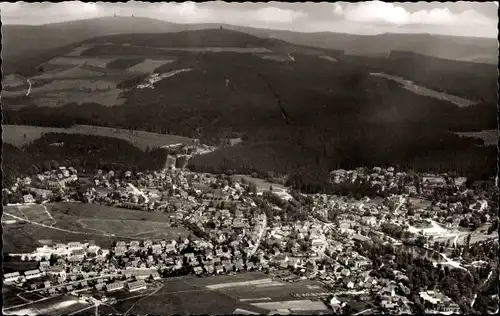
pixel 84 222
pixel 20 135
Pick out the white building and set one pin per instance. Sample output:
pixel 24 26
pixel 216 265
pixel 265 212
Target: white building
pixel 32 274
pixel 11 277
pixel 137 286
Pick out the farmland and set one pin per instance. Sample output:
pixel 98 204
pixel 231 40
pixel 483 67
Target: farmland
pixel 192 295
pixel 80 222
pixel 58 304
pixel 20 135
pixel 490 137
pixel 148 65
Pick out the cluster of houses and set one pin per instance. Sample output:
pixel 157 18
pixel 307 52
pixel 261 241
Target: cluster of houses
pixel 42 186
pixel 236 236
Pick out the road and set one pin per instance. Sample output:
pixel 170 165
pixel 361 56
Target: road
pixel 56 228
pixel 150 294
pixel 261 234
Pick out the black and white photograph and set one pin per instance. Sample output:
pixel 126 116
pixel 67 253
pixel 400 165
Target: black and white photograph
pixel 249 158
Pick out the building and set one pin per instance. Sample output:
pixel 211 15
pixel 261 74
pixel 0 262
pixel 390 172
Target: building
pixel 11 277
pixel 114 286
pixel 32 274
pixel 28 198
pixel 436 301
pixel 137 286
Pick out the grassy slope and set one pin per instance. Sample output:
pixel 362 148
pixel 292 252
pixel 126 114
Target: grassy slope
pixel 22 135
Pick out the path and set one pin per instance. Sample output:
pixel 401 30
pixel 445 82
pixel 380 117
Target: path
pixel 50 215
pixel 150 294
pixel 55 228
pixel 31 302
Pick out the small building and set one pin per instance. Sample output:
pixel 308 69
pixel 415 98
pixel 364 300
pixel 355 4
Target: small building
pixel 137 286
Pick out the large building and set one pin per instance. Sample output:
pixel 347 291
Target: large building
pixel 136 286
pixel 114 286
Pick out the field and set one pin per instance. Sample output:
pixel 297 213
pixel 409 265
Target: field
pixel 490 137
pixel 32 212
pixel 461 102
pixel 82 222
pixel 72 73
pixel 78 51
pixel 19 135
pixel 80 61
pixel 55 305
pixel 148 66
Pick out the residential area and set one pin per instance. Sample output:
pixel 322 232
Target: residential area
pixel 377 254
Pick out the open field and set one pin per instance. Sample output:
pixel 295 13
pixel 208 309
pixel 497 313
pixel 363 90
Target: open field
pixel 409 85
pixel 262 185
pixel 80 61
pixel 10 296
pixel 72 73
pixel 78 51
pixel 14 134
pixel 83 222
pixel 55 305
pixel 420 203
pixel 276 57
pixel 32 212
pixel 178 296
pixel 490 137
pixel 149 65
pixel 109 98
pixel 254 50
pixel 13 266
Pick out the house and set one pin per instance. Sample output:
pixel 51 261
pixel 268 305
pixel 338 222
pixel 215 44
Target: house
pixel 57 271
pixel 137 286
pixel 114 286
pixel 32 274
pixel 28 198
pixel 11 277
pixel 198 270
pixel 209 268
pixel 69 288
pixel 46 284
pixel 250 266
pixel 99 286
pixel 219 269
pixel 436 301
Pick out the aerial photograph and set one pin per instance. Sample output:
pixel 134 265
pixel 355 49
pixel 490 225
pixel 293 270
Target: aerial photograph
pixel 253 158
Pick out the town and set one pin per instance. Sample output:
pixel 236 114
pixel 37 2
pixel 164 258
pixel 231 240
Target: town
pixel 363 250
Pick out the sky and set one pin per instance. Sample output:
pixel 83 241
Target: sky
pixel 461 18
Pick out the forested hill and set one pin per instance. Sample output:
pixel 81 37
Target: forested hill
pixel 84 152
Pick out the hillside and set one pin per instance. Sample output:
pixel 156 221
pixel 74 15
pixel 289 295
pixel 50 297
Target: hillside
pixel 292 106
pixel 23 44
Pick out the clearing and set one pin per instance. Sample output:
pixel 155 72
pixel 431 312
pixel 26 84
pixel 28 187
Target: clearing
pixel 80 61
pixel 20 135
pixel 72 73
pixel 148 65
pixel 81 222
pixel 411 86
pixel 490 137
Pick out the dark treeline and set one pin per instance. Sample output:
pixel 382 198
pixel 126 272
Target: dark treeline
pixel 84 152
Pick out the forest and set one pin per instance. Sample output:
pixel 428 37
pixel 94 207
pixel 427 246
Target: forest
pixel 86 153
pixel 296 116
